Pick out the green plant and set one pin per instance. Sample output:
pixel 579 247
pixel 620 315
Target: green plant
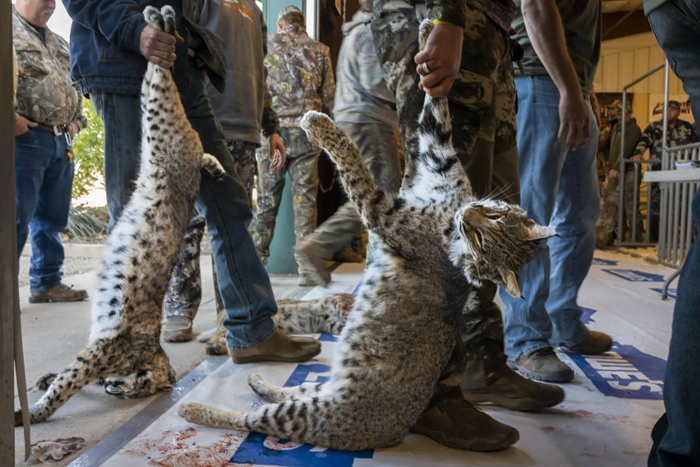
pixel 88 149
pixel 87 224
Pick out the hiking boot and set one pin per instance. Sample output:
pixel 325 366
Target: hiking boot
pixel 279 348
pixel 311 266
pixel 543 365
pixel 177 329
pixel 456 423
pixel 60 293
pixel 595 343
pixel 514 392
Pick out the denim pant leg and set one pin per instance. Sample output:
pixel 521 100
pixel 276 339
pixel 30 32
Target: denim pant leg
pixel 541 156
pixel 571 251
pixel 121 115
pixel 52 208
pixel 243 282
pixel 31 159
pixel 676 436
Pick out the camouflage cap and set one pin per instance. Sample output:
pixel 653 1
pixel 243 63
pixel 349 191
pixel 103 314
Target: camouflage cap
pixel 674 105
pixel 628 109
pixel 290 11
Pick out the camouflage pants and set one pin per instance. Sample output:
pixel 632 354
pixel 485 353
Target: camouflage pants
pixel 379 150
pixel 631 184
pixel 184 292
pixel 482 108
pixel 302 165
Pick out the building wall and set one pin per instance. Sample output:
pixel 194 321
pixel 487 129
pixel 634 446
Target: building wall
pixel 627 58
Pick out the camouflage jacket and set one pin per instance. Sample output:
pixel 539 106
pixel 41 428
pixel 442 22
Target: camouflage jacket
pixel 45 92
pixel 679 135
pixel 454 11
pixel 299 75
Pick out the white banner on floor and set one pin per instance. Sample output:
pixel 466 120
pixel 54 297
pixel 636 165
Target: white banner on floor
pixel 606 420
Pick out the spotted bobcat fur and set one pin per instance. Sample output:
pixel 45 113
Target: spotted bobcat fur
pixel 296 317
pixel 124 351
pixel 436 242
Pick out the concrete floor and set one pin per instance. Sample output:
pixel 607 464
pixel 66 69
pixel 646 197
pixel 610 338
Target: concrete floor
pixel 54 333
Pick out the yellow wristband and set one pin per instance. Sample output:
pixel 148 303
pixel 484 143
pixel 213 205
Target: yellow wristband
pixel 437 22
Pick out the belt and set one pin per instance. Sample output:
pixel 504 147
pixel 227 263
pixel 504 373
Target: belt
pixel 57 130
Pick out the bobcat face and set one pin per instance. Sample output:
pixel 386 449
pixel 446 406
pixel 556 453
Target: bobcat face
pixel 494 241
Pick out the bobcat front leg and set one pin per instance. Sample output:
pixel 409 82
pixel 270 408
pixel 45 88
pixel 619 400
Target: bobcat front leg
pixel 371 202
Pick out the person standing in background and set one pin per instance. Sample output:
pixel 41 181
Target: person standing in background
pixel 557 144
pixel 244 110
pixel 680 133
pixel 300 77
pixel 365 109
pixel 48 115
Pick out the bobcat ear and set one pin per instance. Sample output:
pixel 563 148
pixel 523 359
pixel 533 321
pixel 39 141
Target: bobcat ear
pixel 537 232
pixel 510 283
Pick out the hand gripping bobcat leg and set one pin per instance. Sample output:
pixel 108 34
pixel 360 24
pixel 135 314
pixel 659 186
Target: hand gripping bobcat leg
pixel 124 351
pixel 436 241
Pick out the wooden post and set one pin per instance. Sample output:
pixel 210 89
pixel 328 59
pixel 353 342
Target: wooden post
pixel 8 242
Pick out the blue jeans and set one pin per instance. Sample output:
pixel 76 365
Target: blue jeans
pixel 243 282
pixel 43 185
pixel 676 436
pixel 558 187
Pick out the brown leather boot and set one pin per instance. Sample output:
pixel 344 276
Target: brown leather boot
pixel 595 343
pixel 454 422
pixel 312 269
pixel 279 348
pixel 515 392
pixel 60 293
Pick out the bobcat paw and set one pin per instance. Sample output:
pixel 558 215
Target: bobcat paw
pixel 319 128
pixel 213 167
pixel 426 27
pixel 45 381
pixel 162 20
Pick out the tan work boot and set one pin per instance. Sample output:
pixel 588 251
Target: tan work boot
pixel 177 329
pixel 543 365
pixel 515 392
pixel 312 269
pixel 60 293
pixel 595 343
pixel 456 423
pixel 279 348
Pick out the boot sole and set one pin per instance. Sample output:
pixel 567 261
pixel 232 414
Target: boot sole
pixel 526 404
pixel 56 300
pixel 475 444
pixel 274 358
pixel 562 376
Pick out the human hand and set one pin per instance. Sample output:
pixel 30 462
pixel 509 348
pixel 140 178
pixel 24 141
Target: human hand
pixel 613 174
pixel 278 153
pixel 22 125
pixel 637 159
pixel 574 120
pixel 73 129
pixel 442 56
pixel 158 47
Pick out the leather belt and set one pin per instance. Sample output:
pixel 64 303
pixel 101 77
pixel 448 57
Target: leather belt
pixel 57 130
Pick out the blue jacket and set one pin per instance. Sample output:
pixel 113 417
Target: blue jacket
pixel 104 45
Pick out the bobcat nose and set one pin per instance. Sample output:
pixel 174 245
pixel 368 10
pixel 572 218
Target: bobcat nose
pixel 472 218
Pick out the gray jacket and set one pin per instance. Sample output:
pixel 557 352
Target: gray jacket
pixel 245 107
pixel 361 95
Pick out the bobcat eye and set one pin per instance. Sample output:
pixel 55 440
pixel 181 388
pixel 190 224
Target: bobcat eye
pixel 478 239
pixel 494 215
